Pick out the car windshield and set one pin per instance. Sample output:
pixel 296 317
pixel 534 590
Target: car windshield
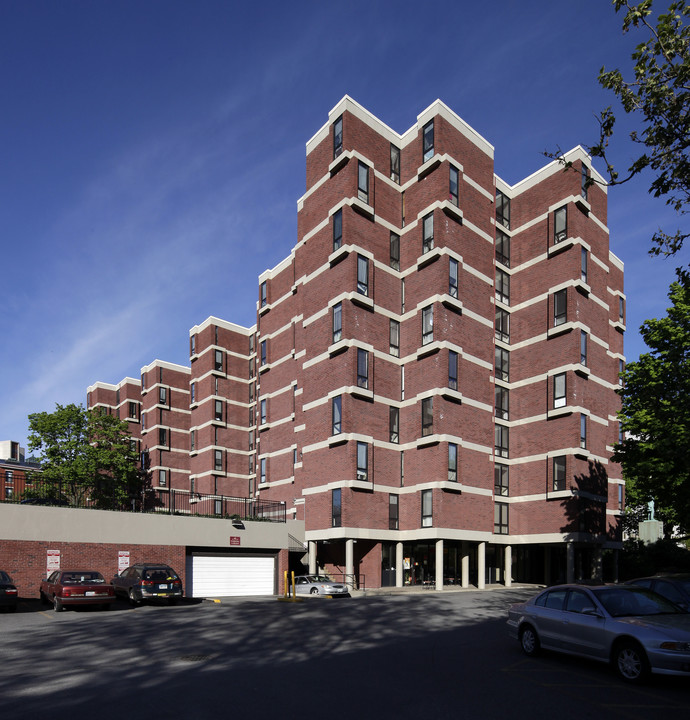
pixel 159 575
pixel 626 601
pixel 82 577
pixel 4 577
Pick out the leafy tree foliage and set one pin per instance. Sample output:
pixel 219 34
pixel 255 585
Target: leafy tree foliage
pixel 655 415
pixel 658 93
pixel 87 458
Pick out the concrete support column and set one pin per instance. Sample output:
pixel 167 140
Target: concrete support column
pixel 399 565
pixel 439 564
pixel 350 563
pixel 597 564
pixel 465 564
pixel 570 563
pixel 312 557
pixel 508 566
pixel 481 565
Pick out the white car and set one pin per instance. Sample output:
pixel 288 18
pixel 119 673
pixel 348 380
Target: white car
pixel 319 585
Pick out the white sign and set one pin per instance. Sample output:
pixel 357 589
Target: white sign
pixel 122 560
pixel 52 560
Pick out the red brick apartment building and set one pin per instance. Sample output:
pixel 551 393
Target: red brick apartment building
pixel 13 470
pixel 430 383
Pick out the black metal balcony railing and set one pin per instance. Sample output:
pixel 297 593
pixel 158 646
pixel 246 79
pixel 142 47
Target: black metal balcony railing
pixel 158 500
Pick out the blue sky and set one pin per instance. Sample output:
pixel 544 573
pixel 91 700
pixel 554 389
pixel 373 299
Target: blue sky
pixel 153 154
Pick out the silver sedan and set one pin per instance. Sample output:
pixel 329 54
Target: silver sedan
pixel 319 585
pixel 637 631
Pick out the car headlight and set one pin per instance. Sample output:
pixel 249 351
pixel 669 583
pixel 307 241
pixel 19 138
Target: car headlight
pixel 677 646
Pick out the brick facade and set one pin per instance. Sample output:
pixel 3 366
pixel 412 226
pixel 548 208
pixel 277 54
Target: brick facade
pixel 433 368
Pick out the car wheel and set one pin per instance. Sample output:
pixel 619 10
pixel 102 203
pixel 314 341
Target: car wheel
pixel 314 591
pixel 133 598
pixel 57 604
pixel 630 662
pixel 529 641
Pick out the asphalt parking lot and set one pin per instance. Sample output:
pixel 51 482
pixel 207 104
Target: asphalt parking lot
pixel 438 655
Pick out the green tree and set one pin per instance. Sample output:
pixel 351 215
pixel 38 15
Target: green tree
pixel 85 456
pixel 655 415
pixel 658 94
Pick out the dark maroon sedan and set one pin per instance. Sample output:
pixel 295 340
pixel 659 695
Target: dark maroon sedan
pixel 8 592
pixel 65 588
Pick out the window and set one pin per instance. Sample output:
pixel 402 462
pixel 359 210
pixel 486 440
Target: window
pixel 583 265
pixel 362 275
pixel 262 470
pixel 502 363
pixel 9 477
pixel 559 390
pixel 362 461
pixel 560 225
pixel 264 294
pixel 133 410
pixel 427 508
pixel 584 188
pixel 402 295
pixel 9 493
pixel 402 469
pixel 452 462
pixel 428 141
pixel 502 209
pixel 559 473
pixel 502 248
pixel 427 233
pixel 395 251
pixel 583 347
pixel 560 307
pixel 337 322
pixel 162 436
pixel 363 182
pixel 452 370
pixel 218 360
pixel 453 184
pixel 337 229
pixel 393 512
pixel 453 278
pixel 501 402
pixel 621 370
pixel 502 329
pixel 621 308
pixel 263 352
pixel 501 518
pixel 262 411
pixel 336 507
pixel 427 324
pixel 192 439
pixel 394 338
pixel 501 476
pixel 294 457
pixel 501 441
pixel 163 395
pixel 427 416
pixel 336 415
pixel 583 430
pixel 362 368
pixel 337 137
pixel 192 345
pixel 143 421
pixel 395 164
pixel 251 439
pixel 143 382
pixel 218 409
pixel 217 459
pixel 502 286
pixel 394 424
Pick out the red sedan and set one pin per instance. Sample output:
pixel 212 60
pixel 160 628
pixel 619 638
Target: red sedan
pixel 65 588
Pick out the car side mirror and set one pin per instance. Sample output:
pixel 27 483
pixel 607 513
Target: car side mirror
pixel 591 611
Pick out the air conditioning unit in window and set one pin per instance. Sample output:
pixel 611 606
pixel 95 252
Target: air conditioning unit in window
pixel 361 475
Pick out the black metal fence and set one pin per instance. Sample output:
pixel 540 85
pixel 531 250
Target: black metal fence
pixel 158 500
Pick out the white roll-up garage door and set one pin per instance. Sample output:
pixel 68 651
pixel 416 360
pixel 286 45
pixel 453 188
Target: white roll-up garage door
pixel 228 575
